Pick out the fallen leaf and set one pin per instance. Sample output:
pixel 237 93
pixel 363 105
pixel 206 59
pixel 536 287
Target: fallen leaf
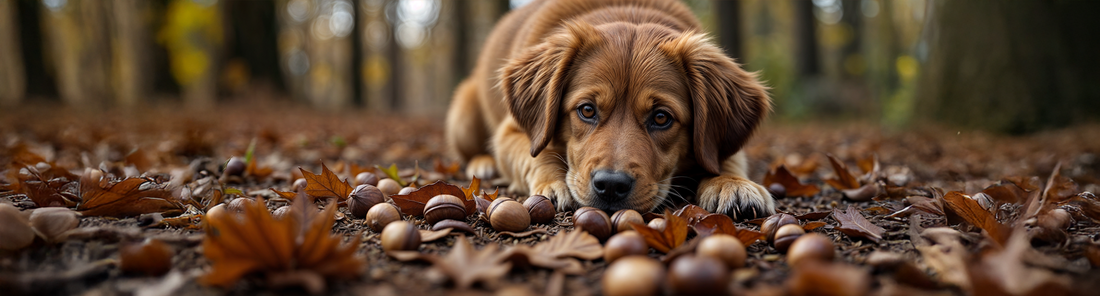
pixel 1058 188
pixel 447 170
pixel 790 183
pixel 466 265
pixel 973 213
pixel 722 224
pixel 47 188
pixel 413 203
pixel 920 204
pixel 691 213
pixel 523 234
pixel 559 252
pixel 127 198
pixel 284 194
pixel 947 256
pixel 470 192
pixel 854 224
pixel 863 193
pixel 326 185
pixel 432 235
pixel 674 234
pixel 1004 272
pixel 903 269
pixel 1006 192
pixel 844 179
pixel 813 225
pixel 814 215
pixel 1092 252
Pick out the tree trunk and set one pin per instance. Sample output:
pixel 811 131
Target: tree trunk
pixel 12 81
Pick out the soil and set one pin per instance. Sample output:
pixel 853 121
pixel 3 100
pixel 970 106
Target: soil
pixel 285 138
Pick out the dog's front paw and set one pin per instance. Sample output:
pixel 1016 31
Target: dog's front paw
pixel 558 192
pixel 482 166
pixel 737 197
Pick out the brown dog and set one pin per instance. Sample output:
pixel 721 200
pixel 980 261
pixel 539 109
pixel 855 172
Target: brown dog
pixel 610 104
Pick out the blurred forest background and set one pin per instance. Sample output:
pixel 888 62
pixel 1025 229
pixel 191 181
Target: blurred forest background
pixel 1006 66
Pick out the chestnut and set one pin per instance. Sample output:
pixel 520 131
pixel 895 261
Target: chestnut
pixel 381 215
pixel 363 198
pixel 772 223
pixel 812 246
pixel 217 211
pixel 697 275
pixel 622 220
pixel 149 257
pixel 400 236
pixel 657 224
pixel 725 247
pixel 623 244
pixel 787 235
pixel 53 221
pixel 506 214
pixel 633 275
pixel 444 206
pixel 234 167
pixel 238 205
pixel 388 186
pixel 540 208
pixel 366 178
pixel 16 232
pixel 281 212
pixel 594 221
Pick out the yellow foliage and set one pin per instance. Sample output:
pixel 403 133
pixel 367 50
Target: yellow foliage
pixel 191 33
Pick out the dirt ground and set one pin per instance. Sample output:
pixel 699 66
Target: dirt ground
pixel 283 138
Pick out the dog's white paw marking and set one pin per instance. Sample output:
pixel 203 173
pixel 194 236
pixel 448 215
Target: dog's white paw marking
pixel 482 166
pixel 558 192
pixel 737 197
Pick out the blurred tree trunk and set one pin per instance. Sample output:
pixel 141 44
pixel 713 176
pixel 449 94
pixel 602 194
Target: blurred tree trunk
pixel 130 45
pixel 315 42
pixel 1012 66
pixel 805 35
pixel 729 28
pixel 12 81
pixel 193 35
pixel 77 37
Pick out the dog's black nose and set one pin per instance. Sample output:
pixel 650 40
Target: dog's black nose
pixel 612 185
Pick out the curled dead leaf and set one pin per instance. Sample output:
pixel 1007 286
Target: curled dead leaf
pixel 465 265
pixel 126 198
pixel 976 215
pixel 844 179
pixel 854 224
pixel 780 175
pixel 413 203
pixel 674 234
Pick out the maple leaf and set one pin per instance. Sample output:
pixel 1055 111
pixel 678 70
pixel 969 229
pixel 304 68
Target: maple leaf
pixel 325 185
pixel 466 266
pixel 413 203
pixel 844 179
pixel 126 198
pixel 854 224
pixel 722 224
pixel 393 174
pixel 559 252
pixel 284 194
pixel 790 183
pixel 976 215
pixel 673 236
pixel 471 191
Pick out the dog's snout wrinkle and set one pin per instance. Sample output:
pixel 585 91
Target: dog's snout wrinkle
pixel 612 185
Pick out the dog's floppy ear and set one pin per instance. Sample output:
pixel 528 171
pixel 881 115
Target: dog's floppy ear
pixel 534 81
pixel 727 101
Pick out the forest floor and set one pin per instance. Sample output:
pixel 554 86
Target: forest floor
pixel 1020 240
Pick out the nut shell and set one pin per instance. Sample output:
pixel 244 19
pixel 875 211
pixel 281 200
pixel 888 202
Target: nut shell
pixel 812 246
pixel 299 184
pixel 787 235
pixel 506 214
pixel 15 230
pixel 363 198
pixel 234 167
pixel 540 208
pixel 52 221
pixel 697 275
pixel 281 212
pixel 388 186
pixel 773 223
pixel 444 206
pixel 149 257
pixel 657 224
pixel 725 247
pixel 633 275
pixel 594 221
pixel 622 220
pixel 624 244
pixel 400 236
pixel 381 215
pixel 366 178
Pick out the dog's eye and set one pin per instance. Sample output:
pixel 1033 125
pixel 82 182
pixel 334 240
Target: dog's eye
pixel 661 120
pixel 587 111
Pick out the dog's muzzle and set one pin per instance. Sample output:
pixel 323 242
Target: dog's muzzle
pixel 612 186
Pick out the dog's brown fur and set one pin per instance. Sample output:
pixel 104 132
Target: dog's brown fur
pixel 517 115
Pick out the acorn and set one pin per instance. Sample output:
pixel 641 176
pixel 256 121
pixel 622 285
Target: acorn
pixel 787 235
pixel 16 232
pixel 506 214
pixel 150 257
pixel 238 205
pixel 444 206
pixel 773 223
pixel 400 236
pixel 53 221
pixel 381 215
pixel 281 212
pixel 388 186
pixel 657 224
pixel 540 208
pixel 216 212
pixel 633 275
pixel 812 246
pixel 299 184
pixel 363 198
pixel 234 167
pixel 622 220
pixel 594 221
pixel 777 190
pixel 725 247
pixel 366 178
pixel 406 190
pixel 623 244
pixel 697 275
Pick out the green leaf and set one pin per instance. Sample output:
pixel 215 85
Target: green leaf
pixel 392 173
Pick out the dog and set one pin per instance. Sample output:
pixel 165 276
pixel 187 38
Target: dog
pixel 610 104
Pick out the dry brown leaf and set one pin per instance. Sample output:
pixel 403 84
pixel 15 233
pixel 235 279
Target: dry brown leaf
pixel 676 229
pixel 974 214
pixel 560 252
pixel 814 215
pixel 1006 192
pixel 447 170
pixel 523 234
pixel 863 193
pixel 920 204
pixel 790 183
pixel 285 194
pixel 722 224
pixel 432 235
pixel 414 202
pixel 691 213
pixel 813 225
pixel 947 256
pixel 127 198
pixel 854 224
pixel 466 266
pixel 51 187
pixel 1092 252
pixel 844 178
pixel 1003 272
pixel 326 185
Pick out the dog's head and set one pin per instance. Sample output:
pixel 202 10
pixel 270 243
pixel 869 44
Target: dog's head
pixel 630 105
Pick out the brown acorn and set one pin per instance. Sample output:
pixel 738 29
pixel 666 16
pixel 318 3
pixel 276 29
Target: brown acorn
pixel 623 244
pixel 634 275
pixel 366 178
pixel 540 208
pixel 697 275
pixel 773 222
pixel 622 220
pixel 280 212
pixel 234 167
pixel 15 232
pixel 363 198
pixel 657 224
pixel 444 206
pixel 787 235
pixel 400 236
pixel 506 214
pixel 237 205
pixel 388 186
pixel 53 221
pixel 812 246
pixel 594 221
pixel 725 247
pixel 381 215
pixel 150 257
